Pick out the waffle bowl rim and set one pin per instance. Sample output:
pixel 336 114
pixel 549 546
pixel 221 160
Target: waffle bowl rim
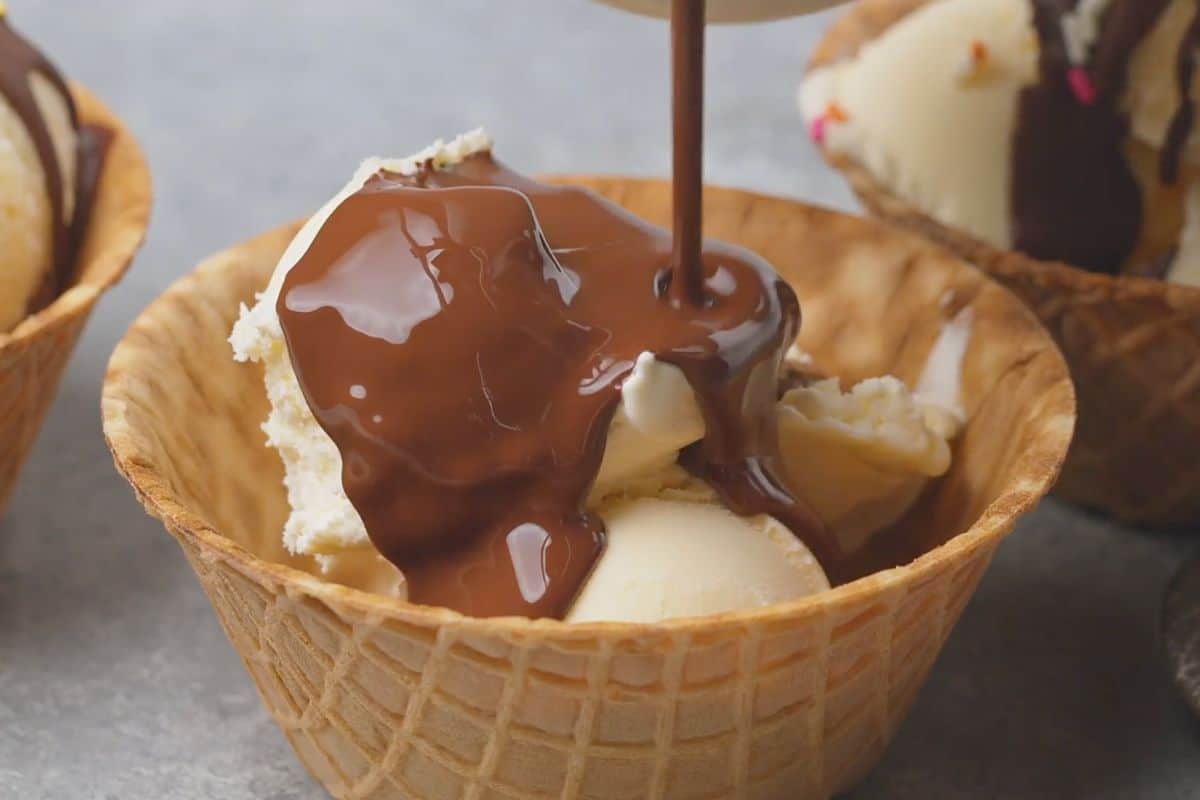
pixel 997 520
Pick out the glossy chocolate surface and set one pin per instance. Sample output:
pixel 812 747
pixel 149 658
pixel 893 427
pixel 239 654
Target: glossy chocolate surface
pixel 462 335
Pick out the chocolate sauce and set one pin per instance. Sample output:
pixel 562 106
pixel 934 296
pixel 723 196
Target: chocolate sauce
pixel 687 174
pixel 1180 129
pixel 462 335
pixel 19 61
pixel 1090 214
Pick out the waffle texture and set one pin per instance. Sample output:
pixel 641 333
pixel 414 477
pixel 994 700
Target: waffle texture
pixel 34 354
pixel 382 699
pixel 1133 344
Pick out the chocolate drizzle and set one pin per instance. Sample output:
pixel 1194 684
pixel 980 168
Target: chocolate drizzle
pixel 1180 129
pixel 94 141
pixel 19 62
pixel 1090 213
pixel 687 169
pixel 462 335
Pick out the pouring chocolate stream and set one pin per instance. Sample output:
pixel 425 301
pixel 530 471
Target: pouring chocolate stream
pixel 462 335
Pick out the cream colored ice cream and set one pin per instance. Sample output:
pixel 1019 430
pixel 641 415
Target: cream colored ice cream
pixel 658 416
pixel 322 521
pixel 683 554
pixel 26 217
pixel 930 108
pixel 918 110
pixel 665 529
pixel 861 457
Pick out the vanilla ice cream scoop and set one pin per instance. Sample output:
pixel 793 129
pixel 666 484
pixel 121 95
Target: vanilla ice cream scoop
pixel 861 457
pixel 929 117
pixel 39 155
pixel 684 555
pixel 658 416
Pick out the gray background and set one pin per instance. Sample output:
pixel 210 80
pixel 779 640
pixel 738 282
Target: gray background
pixel 115 680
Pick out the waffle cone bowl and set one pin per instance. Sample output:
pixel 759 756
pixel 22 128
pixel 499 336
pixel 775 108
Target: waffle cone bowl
pixel 383 699
pixel 1133 344
pixel 35 353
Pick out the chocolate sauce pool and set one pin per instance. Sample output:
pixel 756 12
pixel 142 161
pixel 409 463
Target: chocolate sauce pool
pixel 19 61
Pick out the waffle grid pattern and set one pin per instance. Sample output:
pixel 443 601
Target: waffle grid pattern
pixel 29 377
pixel 1132 344
pixel 381 709
pixel 1139 412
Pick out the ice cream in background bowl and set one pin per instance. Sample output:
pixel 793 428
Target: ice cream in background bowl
pixel 1054 145
pixel 697 649
pixel 74 205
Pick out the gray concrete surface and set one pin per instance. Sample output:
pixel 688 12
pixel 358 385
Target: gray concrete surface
pixel 115 680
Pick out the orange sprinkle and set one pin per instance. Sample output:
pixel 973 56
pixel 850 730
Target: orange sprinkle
pixel 979 51
pixel 836 113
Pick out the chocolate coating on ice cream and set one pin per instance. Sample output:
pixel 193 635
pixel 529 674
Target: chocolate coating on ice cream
pixel 462 335
pixel 1074 196
pixel 19 62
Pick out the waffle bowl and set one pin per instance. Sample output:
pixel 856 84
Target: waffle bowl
pixel 35 353
pixel 1133 344
pixel 383 699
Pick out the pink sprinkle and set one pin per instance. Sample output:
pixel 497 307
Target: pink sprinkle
pixel 817 129
pixel 1082 86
